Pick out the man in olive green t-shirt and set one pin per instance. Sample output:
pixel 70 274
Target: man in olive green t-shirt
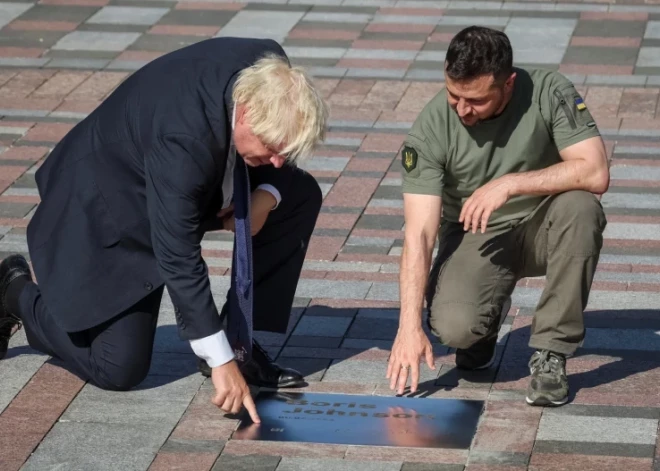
pixel 506 163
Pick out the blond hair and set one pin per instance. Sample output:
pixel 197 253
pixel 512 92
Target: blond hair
pixel 283 106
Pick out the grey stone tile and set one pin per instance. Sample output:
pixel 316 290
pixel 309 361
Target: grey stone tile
pixel 334 164
pixel 408 19
pixel 598 449
pixel 597 429
pixel 622 339
pixel 370 241
pixel 246 463
pixel 62 63
pixel 333 72
pixel 336 17
pixel 12 10
pixel 432 56
pixel 197 17
pixel 368 372
pixel 23 62
pixel 384 292
pixel 652 30
pixel 601 55
pixel 323 326
pixel 451 376
pixel 333 289
pixel 369 73
pixel 631 80
pixel 155 401
pixel 632 231
pixel 386 54
pixel 93 41
pixel 308 341
pixel 128 15
pixel 606 411
pixel 630 200
pixel 636 172
pixel 261 24
pixel 315 52
pixel 163 43
pixel 295 42
pixel 179 445
pixel 76 14
pixel 380 221
pixel 373 328
pixel 14 243
pixel 83 55
pixel 474 20
pixel 15 210
pixel 531 38
pixel 648 57
pixel 607 28
pixel 365 249
pixel 327 464
pixel 83 446
pixel 424 74
pixel 498 458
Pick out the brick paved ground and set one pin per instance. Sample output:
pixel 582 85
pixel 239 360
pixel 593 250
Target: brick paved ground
pixel 378 62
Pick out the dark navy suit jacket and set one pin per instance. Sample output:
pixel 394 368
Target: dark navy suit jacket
pixel 126 194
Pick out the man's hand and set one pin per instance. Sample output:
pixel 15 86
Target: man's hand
pixel 409 348
pixel 261 205
pixel 232 391
pixel 483 202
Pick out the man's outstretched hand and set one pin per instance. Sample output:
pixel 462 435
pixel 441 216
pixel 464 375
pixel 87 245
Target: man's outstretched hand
pixel 232 392
pixel 409 348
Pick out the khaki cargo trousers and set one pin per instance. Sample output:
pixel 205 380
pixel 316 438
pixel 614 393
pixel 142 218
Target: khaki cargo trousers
pixel 473 274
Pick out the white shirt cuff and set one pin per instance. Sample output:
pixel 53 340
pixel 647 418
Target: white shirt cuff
pixel 214 349
pixel 273 191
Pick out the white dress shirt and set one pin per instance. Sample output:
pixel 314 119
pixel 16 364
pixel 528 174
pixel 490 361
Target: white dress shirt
pixel 215 348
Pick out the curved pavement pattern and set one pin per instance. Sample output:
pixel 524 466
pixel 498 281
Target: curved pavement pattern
pixel 378 62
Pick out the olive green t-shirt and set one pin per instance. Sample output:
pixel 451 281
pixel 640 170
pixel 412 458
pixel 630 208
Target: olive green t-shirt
pixel 443 157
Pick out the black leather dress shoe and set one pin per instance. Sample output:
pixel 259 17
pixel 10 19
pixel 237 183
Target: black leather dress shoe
pixel 261 371
pixel 11 268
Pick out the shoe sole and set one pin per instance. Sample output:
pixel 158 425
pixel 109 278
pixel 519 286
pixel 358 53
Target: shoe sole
pixel 543 402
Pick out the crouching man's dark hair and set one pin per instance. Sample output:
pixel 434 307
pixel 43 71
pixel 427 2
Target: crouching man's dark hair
pixel 477 51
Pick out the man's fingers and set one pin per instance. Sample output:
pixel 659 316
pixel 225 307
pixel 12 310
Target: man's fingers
pixel 429 358
pixel 227 404
pixel 484 220
pixel 403 379
pixel 476 216
pixel 251 408
pixel 414 377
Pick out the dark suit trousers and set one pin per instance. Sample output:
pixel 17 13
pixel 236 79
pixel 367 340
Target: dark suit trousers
pixel 117 354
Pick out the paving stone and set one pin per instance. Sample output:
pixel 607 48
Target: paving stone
pixel 368 372
pixel 648 57
pixel 157 400
pixel 11 10
pixel 246 463
pixel 597 429
pixel 606 28
pixel 96 41
pixel 197 18
pixel 310 464
pixel 326 326
pixel 50 13
pixel 128 15
pixel 589 448
pixel 80 446
pixel 18 367
pixel 272 25
pixel 179 445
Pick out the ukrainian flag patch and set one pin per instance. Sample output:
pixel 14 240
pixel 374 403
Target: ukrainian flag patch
pixel 579 103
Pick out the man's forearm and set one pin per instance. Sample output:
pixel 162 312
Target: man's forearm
pixel 415 265
pixel 559 178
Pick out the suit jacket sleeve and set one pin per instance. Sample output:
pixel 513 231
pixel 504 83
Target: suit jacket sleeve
pixel 179 172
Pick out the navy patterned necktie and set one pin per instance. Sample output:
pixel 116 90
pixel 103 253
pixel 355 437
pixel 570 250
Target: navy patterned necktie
pixel 239 318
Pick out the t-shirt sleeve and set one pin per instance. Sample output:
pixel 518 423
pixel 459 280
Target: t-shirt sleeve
pixel 571 120
pixel 422 165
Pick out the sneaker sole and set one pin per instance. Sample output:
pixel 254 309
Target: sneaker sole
pixel 542 401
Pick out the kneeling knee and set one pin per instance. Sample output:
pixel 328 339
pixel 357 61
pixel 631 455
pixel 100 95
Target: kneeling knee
pixel 461 329
pixel 121 378
pixel 581 208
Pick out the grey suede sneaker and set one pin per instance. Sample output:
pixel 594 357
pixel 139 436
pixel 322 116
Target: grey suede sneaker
pixel 481 355
pixel 549 383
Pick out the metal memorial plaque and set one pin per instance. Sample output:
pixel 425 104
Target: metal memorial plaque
pixel 362 420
